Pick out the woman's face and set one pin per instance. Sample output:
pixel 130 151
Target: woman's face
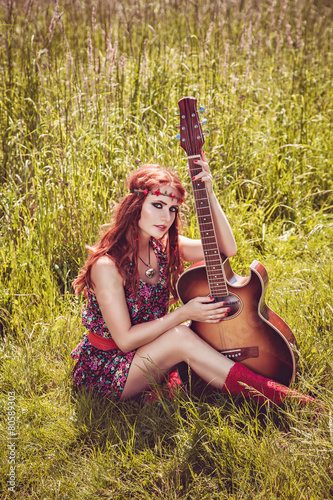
pixel 158 214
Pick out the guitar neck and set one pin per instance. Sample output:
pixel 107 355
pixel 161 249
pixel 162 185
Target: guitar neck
pixel 215 272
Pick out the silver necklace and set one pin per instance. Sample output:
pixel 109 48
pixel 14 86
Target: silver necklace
pixel 150 271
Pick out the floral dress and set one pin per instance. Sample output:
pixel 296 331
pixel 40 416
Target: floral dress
pixel 105 372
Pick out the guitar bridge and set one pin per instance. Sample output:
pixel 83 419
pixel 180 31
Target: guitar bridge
pixel 241 353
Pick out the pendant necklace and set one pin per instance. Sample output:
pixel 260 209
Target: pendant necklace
pixel 150 271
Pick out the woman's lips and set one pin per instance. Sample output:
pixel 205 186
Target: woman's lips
pixel 161 228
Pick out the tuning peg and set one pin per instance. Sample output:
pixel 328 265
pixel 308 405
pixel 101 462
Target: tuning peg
pixel 206 132
pixel 201 110
pixel 204 121
pixel 178 137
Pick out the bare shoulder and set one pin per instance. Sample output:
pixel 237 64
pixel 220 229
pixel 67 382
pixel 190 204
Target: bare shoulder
pixel 105 262
pixel 105 271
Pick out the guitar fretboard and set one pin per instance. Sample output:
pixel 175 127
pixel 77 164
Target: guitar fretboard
pixel 215 272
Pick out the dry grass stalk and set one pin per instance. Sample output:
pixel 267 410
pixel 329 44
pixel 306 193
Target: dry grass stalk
pixel 90 54
pixel 279 25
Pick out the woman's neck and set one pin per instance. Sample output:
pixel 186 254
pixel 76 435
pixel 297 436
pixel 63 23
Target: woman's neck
pixel 143 243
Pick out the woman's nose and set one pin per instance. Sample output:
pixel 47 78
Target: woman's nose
pixel 166 216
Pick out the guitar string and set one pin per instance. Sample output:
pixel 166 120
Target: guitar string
pixel 197 197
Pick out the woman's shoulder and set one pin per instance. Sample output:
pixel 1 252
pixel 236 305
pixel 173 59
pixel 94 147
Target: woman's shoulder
pixel 105 261
pixel 104 268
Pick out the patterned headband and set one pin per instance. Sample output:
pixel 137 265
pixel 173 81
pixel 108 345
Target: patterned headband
pixel 158 193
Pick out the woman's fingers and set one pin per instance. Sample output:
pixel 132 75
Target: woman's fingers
pixel 205 310
pixel 212 312
pixel 217 314
pixel 205 175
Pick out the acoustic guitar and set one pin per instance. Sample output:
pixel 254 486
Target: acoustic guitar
pixel 252 333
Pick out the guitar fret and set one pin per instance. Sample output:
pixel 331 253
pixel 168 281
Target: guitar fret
pixel 205 222
pixel 204 213
pixel 208 234
pixel 202 204
pixel 206 226
pixel 209 243
pixel 214 274
pixel 214 269
pixel 208 240
pixel 213 262
pixel 204 236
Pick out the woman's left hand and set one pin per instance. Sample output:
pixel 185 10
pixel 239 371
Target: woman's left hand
pixel 205 175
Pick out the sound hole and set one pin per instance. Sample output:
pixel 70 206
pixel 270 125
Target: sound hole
pixel 231 301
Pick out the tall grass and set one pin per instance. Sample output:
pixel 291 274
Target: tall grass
pixel 89 89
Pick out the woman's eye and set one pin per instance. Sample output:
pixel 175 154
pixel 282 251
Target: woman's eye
pixel 160 206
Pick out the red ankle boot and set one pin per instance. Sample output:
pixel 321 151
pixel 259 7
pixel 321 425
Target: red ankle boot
pixel 241 380
pixel 171 384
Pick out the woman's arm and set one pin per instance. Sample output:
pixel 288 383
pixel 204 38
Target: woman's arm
pixel 224 234
pixel 191 250
pixel 109 290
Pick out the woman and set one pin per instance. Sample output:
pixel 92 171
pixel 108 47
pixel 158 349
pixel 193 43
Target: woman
pixel 133 340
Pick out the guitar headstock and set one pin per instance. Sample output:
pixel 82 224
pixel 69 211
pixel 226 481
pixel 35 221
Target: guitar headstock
pixel 191 136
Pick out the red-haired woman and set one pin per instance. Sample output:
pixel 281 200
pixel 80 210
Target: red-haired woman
pixel 128 278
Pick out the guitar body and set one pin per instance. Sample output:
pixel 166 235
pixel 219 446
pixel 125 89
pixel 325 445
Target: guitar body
pixel 253 335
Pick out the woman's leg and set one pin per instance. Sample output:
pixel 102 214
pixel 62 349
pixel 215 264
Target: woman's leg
pixel 182 344
pixel 162 354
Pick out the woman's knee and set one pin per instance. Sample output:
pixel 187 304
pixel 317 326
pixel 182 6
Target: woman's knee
pixel 181 336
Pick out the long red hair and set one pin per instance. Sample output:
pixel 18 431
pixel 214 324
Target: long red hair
pixel 120 242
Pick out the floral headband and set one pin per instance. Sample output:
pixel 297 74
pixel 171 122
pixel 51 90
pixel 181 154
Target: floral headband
pixel 158 193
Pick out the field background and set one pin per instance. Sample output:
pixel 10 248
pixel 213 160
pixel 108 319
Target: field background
pixel 88 90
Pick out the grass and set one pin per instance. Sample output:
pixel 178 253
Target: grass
pixel 88 91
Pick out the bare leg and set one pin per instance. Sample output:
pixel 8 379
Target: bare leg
pixel 182 344
pixel 177 344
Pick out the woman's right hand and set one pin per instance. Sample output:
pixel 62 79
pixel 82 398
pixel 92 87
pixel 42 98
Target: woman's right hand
pixel 204 310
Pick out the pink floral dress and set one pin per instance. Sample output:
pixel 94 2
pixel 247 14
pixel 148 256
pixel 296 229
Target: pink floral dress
pixel 105 372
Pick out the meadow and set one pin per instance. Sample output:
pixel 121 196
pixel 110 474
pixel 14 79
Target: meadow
pixel 88 91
